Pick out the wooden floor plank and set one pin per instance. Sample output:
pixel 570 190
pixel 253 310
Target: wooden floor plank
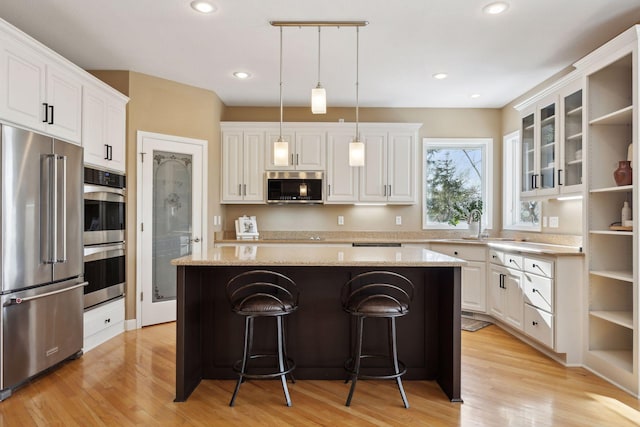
pixel 130 381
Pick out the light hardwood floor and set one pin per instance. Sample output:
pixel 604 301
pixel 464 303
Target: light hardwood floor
pixel 130 381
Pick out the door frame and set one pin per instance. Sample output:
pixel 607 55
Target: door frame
pixel 141 135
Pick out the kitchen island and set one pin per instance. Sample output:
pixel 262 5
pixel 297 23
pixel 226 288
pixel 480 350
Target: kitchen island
pixel 210 336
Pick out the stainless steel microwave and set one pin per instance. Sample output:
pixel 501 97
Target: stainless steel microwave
pixel 294 187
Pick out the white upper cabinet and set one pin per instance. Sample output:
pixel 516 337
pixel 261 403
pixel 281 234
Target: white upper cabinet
pixel 242 177
pixel 38 92
pixel 307 149
pixel 103 128
pixel 341 179
pixel 389 171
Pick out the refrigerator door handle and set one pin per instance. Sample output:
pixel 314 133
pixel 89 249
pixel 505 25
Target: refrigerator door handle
pixel 61 215
pixel 48 219
pixel 17 300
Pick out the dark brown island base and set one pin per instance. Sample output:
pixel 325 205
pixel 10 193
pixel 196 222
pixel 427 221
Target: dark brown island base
pixel 210 336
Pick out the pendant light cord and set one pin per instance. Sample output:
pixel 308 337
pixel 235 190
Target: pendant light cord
pixel 357 82
pixel 280 139
pixel 318 56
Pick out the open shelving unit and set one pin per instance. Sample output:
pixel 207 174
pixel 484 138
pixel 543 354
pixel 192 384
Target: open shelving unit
pixel 612 325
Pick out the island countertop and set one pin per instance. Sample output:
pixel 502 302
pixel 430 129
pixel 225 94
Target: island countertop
pixel 247 255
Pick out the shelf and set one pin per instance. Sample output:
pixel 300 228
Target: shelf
pixel 574 162
pixel 624 116
pixel 625 276
pixel 612 232
pixel 547 120
pixel 547 168
pixel 575 136
pixel 575 111
pixel 528 127
pixel 621 318
pixel 622 359
pixel 621 188
pixel 548 145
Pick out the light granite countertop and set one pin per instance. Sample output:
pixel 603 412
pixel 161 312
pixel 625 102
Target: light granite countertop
pixel 244 254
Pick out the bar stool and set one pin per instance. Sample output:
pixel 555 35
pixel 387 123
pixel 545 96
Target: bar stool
pixel 263 293
pixel 382 294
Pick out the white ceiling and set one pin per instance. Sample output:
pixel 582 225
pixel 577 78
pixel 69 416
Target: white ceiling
pixel 405 43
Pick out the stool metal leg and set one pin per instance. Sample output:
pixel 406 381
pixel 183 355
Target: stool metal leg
pixel 357 357
pixel 394 356
pixel 248 337
pixel 281 362
pixel 284 349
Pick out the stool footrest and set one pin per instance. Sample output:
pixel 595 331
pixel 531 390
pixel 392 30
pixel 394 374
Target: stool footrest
pixel 349 367
pixel 237 367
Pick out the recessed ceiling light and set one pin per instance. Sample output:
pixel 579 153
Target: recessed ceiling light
pixel 440 76
pixel 495 8
pixel 203 6
pixel 475 95
pixel 241 75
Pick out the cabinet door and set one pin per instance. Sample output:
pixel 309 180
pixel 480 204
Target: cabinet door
pixel 341 179
pixel 572 170
pixel 373 175
pixel 272 136
pixel 22 85
pixel 116 134
pixel 253 169
pixel 514 302
pixel 546 183
pixel 527 154
pixel 401 171
pixel 64 99
pixel 473 287
pixel 496 292
pixel 232 166
pixel 94 107
pixel 310 150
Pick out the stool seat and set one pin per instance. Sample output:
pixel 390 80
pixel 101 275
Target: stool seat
pixel 380 294
pixel 263 293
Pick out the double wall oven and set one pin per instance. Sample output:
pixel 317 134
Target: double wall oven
pixel 104 230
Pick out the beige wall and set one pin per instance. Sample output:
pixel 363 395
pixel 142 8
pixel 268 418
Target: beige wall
pixel 166 107
pixel 436 122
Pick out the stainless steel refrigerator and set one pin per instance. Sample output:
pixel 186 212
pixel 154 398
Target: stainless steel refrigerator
pixel 41 265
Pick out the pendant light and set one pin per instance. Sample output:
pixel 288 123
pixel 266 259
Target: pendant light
pixel 318 94
pixel 281 147
pixel 356 147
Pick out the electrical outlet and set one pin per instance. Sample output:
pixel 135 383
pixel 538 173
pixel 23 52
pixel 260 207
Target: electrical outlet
pixel 554 222
pixel 340 220
pixel 398 220
pixel 545 221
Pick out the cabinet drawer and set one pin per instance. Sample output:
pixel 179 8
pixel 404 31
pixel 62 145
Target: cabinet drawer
pixel 103 317
pixel 466 252
pixel 496 257
pixel 538 291
pixel 539 266
pixel 538 324
pixel 507 259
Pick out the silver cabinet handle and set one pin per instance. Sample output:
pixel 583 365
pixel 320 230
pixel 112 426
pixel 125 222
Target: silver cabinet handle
pixel 292 159
pixel 16 300
pixel 328 189
pixel 385 190
pixel 297 159
pixel 62 206
pixel 245 190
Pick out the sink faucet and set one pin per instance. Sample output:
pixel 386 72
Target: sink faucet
pixel 477 215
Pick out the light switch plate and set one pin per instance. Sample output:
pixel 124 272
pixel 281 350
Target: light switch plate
pixel 554 222
pixel 340 220
pixel 398 220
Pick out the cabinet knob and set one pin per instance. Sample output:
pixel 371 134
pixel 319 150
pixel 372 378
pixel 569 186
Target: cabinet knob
pixel 534 323
pixel 107 320
pixel 535 265
pixel 455 252
pixel 493 256
pixel 534 290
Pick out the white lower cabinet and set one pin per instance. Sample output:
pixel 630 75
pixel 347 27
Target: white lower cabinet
pixel 474 274
pixel 103 323
pixel 540 296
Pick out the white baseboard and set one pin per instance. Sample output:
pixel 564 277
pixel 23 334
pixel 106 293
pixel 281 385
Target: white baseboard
pixel 130 325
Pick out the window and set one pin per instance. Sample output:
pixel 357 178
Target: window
pixel 455 173
pixel 517 214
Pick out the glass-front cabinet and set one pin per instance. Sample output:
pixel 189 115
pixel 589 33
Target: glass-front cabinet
pixel 539 132
pixel 570 174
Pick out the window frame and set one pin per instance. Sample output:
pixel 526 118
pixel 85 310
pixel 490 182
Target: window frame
pixel 486 145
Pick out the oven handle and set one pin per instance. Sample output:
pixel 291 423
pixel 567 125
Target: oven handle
pixel 94 253
pixel 90 188
pixel 17 300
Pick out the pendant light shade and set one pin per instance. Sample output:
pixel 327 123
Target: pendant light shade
pixel 318 94
pixel 356 147
pixel 281 147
